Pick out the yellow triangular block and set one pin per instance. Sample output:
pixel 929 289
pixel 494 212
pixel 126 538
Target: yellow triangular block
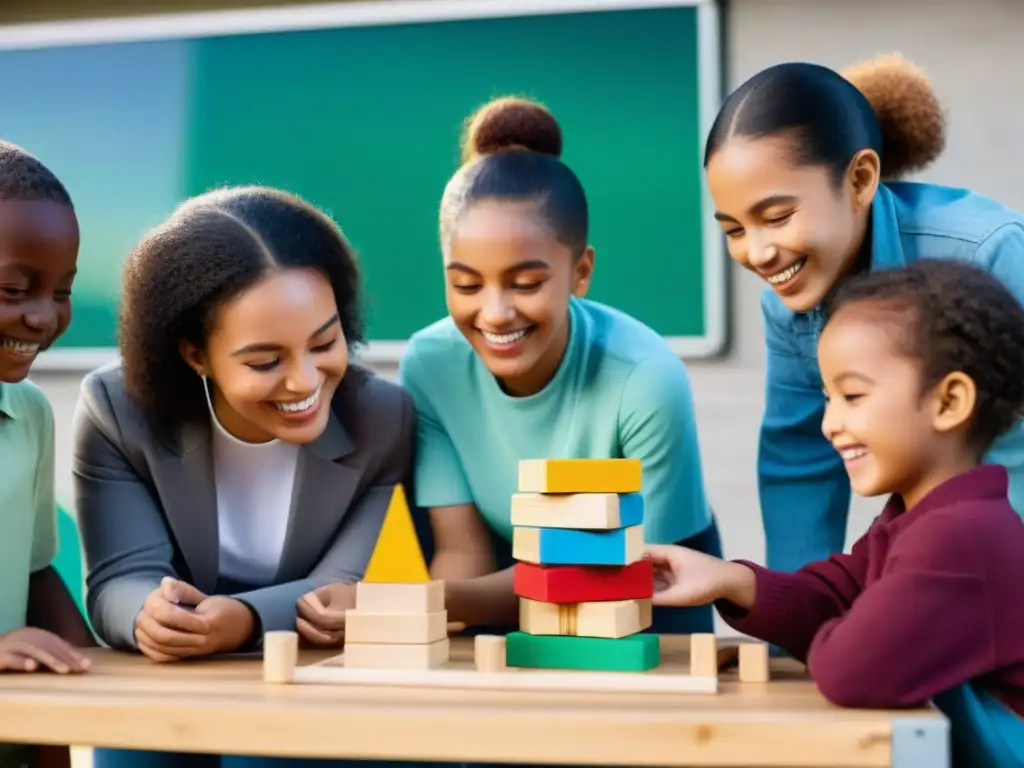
pixel 397 556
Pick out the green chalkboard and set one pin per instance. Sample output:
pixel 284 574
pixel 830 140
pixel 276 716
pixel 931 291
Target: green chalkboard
pixel 358 108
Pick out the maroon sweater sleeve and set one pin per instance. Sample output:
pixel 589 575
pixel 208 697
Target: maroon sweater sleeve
pixel 789 608
pixel 923 627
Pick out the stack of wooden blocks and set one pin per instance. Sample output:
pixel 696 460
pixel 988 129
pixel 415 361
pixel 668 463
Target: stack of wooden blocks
pixel 399 621
pixel 584 588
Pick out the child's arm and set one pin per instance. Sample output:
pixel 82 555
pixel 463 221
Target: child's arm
pixel 50 605
pixel 784 609
pixel 922 628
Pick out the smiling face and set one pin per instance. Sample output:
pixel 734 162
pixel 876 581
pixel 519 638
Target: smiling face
pixel 38 259
pixel 508 283
pixel 275 355
pixel 893 436
pixel 790 224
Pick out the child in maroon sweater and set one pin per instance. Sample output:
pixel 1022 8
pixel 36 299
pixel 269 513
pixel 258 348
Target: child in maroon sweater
pixel 923 368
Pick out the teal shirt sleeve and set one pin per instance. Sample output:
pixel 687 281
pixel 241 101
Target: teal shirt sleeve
pixel 439 479
pixel 658 425
pixel 44 536
pixel 802 484
pixel 1002 255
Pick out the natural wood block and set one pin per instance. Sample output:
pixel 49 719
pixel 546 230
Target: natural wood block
pixel 426 597
pixel 560 546
pixel 396 656
pixel 635 653
pixel 489 653
pixel 613 619
pixel 580 476
pixel 754 663
pixel 409 628
pixel 703 655
pixel 585 511
pixel 583 583
pixel 280 656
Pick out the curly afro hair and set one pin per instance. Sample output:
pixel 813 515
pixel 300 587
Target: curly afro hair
pixel 911 120
pixel 24 177
pixel 212 248
pixel 951 316
pixel 511 150
pixel 885 104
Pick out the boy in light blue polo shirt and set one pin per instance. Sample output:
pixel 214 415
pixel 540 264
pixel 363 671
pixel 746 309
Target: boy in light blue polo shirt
pixel 40 625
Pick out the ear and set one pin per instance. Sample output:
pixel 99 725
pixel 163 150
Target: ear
pixel 864 176
pixel 193 357
pixel 954 399
pixel 582 271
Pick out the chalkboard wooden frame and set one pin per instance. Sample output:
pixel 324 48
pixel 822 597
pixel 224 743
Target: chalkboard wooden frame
pixel 367 13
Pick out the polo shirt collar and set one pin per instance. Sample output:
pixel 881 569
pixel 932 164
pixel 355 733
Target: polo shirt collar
pixel 7 405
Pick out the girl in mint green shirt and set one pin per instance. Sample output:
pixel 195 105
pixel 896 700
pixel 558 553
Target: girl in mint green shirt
pixel 525 367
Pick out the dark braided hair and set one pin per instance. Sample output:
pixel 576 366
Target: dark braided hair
pixel 952 316
pixel 24 177
pixel 212 248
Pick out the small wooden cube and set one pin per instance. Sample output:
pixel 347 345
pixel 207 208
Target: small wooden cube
pixel 703 655
pixel 489 653
pixel 280 656
pixel 753 663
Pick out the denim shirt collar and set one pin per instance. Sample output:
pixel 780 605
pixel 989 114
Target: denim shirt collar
pixel 886 245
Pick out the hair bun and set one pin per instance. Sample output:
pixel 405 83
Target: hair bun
pixel 511 123
pixel 911 119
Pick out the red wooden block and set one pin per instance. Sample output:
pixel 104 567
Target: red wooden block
pixel 584 583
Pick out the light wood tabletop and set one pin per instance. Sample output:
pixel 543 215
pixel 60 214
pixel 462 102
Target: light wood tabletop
pixel 222 706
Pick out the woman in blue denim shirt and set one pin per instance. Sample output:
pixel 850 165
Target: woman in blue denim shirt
pixel 802 165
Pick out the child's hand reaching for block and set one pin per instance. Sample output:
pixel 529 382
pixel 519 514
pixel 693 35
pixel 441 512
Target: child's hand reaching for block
pixel 686 577
pixel 30 650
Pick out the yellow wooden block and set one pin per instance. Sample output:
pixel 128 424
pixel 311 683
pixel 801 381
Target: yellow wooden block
pixel 397 556
pixel 610 618
pixel 372 597
pixel 406 628
pixel 397 656
pixel 580 476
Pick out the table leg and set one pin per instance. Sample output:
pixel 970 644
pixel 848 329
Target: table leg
pixel 920 743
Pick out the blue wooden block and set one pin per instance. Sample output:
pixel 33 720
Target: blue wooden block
pixel 565 546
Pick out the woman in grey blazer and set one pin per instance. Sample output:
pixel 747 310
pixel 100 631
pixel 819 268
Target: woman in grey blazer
pixel 233 459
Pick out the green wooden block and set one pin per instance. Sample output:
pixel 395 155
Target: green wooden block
pixel 634 653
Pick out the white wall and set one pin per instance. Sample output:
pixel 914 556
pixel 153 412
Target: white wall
pixel 973 53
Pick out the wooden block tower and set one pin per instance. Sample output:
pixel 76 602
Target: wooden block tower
pixel 399 621
pixel 584 589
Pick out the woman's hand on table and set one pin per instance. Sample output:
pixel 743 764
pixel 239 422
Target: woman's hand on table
pixel 178 621
pixel 30 649
pixel 321 614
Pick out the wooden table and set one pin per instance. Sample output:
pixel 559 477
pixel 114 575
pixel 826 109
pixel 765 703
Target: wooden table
pixel 222 706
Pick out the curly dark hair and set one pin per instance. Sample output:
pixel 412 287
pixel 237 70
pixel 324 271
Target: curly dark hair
pixel 952 316
pixel 24 177
pixel 213 247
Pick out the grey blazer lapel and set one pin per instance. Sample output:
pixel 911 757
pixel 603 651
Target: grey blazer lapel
pixel 323 491
pixel 185 482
